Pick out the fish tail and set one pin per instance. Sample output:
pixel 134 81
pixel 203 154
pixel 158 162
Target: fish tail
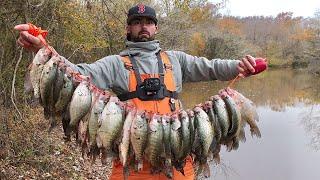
pixel 93 154
pixel 139 165
pixel 168 168
pixel 52 119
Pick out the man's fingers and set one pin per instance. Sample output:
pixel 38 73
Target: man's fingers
pixel 20 43
pixel 251 60
pixel 25 43
pixel 22 27
pixel 242 75
pixel 243 65
pixel 248 65
pixel 30 38
pixel 240 69
pixel 242 72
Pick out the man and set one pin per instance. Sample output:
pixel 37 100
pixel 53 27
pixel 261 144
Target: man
pixel 147 76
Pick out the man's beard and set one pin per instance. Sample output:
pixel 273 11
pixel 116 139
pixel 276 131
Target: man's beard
pixel 140 38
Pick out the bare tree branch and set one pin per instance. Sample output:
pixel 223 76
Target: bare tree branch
pixel 81 47
pixel 37 5
pixel 111 13
pixel 13 91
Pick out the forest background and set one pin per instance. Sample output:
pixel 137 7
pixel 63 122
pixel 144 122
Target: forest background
pixel 87 30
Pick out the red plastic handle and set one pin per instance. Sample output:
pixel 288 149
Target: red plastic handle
pixel 261 65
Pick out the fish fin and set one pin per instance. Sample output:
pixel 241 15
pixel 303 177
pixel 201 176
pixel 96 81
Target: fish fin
pixel 168 169
pixel 242 135
pixel 140 166
pixel 99 141
pixel 52 120
pixel 46 112
pixel 93 153
pixel 155 170
pixel 229 145
pixel 104 156
pixel 235 144
pixel 255 132
pixel 213 144
pixel 206 170
pixel 182 172
pixel 216 158
pixel 65 125
pixel 256 116
pixel 126 172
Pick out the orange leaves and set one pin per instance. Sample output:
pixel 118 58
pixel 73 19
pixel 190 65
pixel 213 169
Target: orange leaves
pixel 229 25
pixel 197 44
pixel 303 35
pixel 201 14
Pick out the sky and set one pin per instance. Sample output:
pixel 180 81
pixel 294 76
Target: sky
pixel 305 8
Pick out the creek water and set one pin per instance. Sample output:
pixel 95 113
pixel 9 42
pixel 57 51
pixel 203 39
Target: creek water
pixel 288 104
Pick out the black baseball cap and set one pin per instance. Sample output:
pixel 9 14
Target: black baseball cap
pixel 141 10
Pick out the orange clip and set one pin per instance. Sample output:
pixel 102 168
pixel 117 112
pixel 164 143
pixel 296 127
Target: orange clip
pixel 36 31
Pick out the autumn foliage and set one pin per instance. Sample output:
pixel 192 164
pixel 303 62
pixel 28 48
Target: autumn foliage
pixel 87 30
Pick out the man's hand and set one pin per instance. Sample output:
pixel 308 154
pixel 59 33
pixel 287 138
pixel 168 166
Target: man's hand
pixel 27 40
pixel 246 66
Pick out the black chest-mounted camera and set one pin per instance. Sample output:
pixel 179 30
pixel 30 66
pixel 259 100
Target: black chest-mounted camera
pixel 151 89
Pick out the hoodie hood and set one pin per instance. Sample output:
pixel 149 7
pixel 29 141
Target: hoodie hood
pixel 141 48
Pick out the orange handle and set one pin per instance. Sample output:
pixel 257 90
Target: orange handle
pixel 36 31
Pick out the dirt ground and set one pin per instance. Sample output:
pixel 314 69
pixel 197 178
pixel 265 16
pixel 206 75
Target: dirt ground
pixel 28 151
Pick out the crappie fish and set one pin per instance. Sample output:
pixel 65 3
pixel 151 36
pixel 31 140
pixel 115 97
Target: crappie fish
pixel 214 120
pixel 186 134
pixel 125 139
pixel 47 79
pixel 95 113
pixel 176 142
pixel 57 85
pixel 80 103
pixel 175 136
pixel 65 94
pixel 235 116
pixel 36 68
pixel 166 125
pixel 248 111
pixel 191 125
pixel 93 124
pixel 125 142
pixel 154 143
pixel 205 134
pixel 110 125
pixel 139 137
pixel 219 108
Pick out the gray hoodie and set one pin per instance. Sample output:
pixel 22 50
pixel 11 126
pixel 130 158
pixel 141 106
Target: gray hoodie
pixel 110 72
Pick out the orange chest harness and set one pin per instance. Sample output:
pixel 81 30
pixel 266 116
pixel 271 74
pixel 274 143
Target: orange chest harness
pixel 151 92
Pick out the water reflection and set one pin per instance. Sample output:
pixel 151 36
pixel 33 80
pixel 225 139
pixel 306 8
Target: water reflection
pixel 311 123
pixel 277 89
pixel 289 107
